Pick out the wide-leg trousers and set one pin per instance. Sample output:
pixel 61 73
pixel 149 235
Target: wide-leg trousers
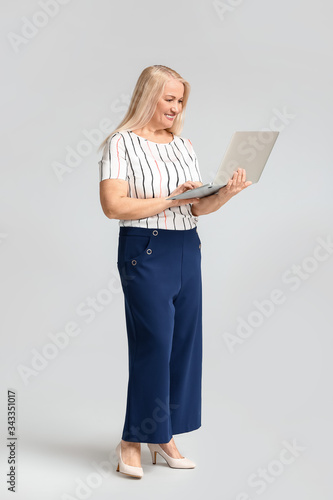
pixel 160 272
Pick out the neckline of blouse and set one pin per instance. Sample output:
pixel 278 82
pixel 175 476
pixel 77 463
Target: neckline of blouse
pixel 152 141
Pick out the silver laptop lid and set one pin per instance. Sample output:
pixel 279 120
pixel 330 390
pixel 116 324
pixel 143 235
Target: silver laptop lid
pixel 249 150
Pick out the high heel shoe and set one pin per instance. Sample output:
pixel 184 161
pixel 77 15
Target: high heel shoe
pixel 129 470
pixel 175 463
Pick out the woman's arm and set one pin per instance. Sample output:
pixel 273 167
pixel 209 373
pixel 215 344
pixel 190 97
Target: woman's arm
pixel 211 203
pixel 116 203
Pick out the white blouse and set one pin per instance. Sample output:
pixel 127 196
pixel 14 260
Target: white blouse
pixel 152 170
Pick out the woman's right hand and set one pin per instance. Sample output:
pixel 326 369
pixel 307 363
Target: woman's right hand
pixel 181 189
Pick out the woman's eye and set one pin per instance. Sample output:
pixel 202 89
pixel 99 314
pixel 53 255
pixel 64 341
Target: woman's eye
pixel 181 102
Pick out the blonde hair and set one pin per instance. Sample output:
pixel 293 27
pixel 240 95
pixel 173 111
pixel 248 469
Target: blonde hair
pixel 147 92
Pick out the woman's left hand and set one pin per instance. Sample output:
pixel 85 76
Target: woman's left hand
pixel 236 184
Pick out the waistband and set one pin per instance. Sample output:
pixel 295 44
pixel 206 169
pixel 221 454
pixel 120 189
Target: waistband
pixel 148 231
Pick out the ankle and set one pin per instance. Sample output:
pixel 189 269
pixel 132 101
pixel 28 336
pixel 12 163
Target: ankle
pixel 130 444
pixel 171 443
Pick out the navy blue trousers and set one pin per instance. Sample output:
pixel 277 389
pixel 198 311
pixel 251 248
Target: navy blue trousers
pixel 160 271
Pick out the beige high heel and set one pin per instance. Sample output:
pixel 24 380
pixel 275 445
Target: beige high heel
pixel 175 463
pixel 129 470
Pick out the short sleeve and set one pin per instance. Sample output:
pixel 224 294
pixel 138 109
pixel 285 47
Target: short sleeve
pixel 113 164
pixel 196 169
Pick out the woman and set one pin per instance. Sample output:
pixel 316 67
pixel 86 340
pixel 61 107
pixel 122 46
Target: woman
pixel 144 162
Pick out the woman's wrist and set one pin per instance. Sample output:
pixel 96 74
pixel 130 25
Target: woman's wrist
pixel 169 203
pixel 223 197
pixel 211 203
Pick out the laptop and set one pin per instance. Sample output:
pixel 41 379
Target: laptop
pixel 249 150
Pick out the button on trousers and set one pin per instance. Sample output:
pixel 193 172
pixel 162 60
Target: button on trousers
pixel 160 272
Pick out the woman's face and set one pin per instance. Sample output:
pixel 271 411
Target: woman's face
pixel 170 104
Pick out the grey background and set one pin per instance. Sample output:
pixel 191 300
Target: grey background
pixel 58 249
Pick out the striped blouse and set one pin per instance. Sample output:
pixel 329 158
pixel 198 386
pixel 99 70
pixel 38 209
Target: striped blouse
pixel 152 170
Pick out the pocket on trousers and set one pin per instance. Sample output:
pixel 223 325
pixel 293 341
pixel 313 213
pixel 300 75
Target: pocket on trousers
pixel 133 247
